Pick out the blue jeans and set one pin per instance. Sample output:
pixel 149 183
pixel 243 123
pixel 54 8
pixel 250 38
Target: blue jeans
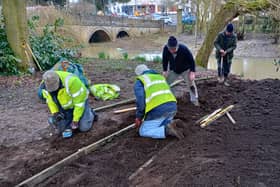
pixel 85 122
pixel 155 128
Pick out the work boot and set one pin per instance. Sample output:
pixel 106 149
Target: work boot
pixel 95 116
pixel 195 103
pixel 226 82
pixel 67 133
pixel 220 80
pixel 173 130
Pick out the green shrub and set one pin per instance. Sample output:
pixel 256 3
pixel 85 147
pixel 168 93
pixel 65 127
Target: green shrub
pixel 125 56
pixel 140 58
pixel 157 59
pixel 49 48
pixel 102 55
pixel 8 61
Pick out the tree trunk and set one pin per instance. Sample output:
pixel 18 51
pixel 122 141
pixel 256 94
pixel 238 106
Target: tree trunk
pixel 14 12
pixel 225 14
pixel 179 28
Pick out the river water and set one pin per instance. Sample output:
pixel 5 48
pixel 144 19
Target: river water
pixel 248 68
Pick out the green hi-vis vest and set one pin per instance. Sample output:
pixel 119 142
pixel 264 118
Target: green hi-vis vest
pixel 157 91
pixel 73 95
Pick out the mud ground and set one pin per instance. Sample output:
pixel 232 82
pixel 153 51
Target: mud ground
pixel 223 154
pixel 245 154
pixel 27 143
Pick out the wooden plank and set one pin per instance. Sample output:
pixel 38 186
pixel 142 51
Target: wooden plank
pixel 38 178
pixel 124 110
pixel 230 118
pixel 115 104
pixel 217 116
pixel 198 79
pixel 211 115
pixel 202 118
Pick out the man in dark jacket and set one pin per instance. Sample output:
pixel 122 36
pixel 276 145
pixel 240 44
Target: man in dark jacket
pixel 155 105
pixel 178 58
pixel 225 44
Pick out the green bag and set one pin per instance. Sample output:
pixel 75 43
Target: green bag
pixel 105 91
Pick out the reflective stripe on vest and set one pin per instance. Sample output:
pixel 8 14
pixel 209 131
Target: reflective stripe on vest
pixel 156 94
pixel 67 104
pixel 67 83
pixel 157 91
pixel 80 104
pixel 67 88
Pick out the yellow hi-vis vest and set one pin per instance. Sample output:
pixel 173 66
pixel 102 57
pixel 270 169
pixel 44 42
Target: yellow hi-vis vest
pixel 157 91
pixel 73 95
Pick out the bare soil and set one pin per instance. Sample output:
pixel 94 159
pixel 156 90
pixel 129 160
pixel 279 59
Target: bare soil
pixel 223 154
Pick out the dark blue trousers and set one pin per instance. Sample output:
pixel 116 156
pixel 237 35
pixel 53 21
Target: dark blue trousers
pixel 224 65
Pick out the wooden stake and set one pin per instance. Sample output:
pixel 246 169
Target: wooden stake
pixel 38 64
pixel 115 104
pixel 202 118
pixel 217 116
pixel 230 118
pixel 124 110
pixel 211 115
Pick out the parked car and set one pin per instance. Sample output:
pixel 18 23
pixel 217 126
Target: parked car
pixel 122 14
pixel 165 18
pixel 188 19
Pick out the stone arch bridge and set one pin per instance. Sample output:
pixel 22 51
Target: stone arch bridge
pixel 92 28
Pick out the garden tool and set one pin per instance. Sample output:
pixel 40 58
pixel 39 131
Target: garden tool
pixel 222 68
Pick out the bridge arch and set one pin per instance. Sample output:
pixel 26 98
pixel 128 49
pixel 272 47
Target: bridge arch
pixel 122 34
pixel 100 35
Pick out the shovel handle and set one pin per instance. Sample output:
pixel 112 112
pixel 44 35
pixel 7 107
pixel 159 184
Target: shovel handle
pixel 124 110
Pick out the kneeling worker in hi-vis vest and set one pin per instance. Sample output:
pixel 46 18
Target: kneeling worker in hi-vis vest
pixel 156 105
pixel 67 100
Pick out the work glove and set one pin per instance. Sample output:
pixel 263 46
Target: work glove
pixel 74 125
pixel 138 122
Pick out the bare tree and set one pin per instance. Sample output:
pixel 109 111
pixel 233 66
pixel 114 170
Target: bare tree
pixel 275 14
pixel 227 12
pixel 14 12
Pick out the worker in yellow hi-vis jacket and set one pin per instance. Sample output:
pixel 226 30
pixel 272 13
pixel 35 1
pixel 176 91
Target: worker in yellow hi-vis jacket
pixel 67 100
